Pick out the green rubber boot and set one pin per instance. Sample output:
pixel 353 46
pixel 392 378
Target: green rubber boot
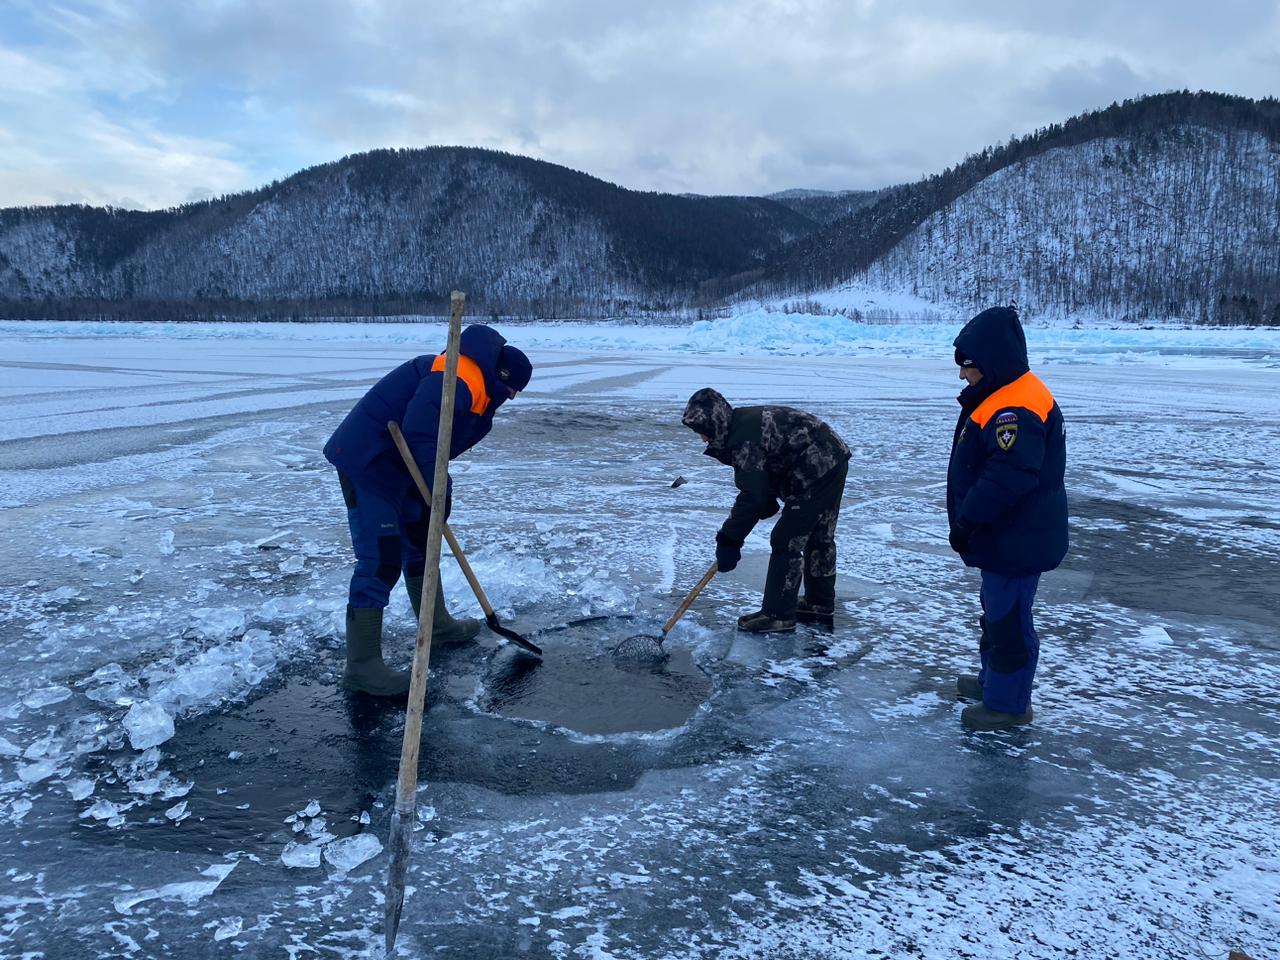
pixel 978 717
pixel 365 672
pixel 444 628
pixel 968 687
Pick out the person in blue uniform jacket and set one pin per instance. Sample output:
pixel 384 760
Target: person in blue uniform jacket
pixel 385 512
pixel 1007 506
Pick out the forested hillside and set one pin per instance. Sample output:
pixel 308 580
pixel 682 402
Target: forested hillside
pixel 391 231
pixel 1165 207
pixel 827 206
pixel 1181 223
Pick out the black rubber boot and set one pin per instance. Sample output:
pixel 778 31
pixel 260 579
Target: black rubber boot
pixel 968 687
pixel 365 672
pixel 761 622
pixel 444 628
pixel 977 717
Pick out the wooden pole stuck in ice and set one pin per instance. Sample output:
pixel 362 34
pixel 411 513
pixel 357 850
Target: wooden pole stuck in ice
pixel 404 814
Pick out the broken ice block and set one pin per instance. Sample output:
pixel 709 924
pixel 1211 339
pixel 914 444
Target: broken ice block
pixel 147 724
pixel 349 852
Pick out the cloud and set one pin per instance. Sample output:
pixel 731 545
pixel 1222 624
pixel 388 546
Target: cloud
pixel 56 146
pixel 706 96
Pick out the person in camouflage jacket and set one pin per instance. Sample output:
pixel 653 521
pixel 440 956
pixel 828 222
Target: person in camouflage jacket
pixel 778 453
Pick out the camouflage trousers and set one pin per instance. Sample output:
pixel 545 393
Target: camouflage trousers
pixel 804 548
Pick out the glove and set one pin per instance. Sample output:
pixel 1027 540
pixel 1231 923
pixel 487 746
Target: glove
pixel 961 537
pixel 728 553
pixel 770 510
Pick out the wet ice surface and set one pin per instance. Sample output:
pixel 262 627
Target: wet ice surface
pixel 176 550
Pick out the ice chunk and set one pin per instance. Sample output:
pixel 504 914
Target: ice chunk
pixel 188 893
pixel 147 724
pixel 81 789
pixel 108 684
pixel 286 608
pixel 219 623
pixel 302 854
pixel 166 543
pixel 46 696
pixel 220 672
pixel 8 748
pixel 312 809
pixel 1154 636
pixel 197 683
pixel 44 747
pixel 292 564
pixel 147 785
pixel 178 812
pixel 40 770
pixel 349 852
pixel 101 810
pixel 20 807
pixel 61 595
pixel 147 759
pixel 228 928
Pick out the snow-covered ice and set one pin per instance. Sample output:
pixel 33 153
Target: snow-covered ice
pixel 176 553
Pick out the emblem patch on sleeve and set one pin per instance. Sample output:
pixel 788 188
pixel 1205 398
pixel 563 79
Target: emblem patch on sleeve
pixel 1007 417
pixel 1006 435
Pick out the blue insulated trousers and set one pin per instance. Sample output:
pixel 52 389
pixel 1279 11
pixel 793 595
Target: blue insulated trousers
pixel 386 540
pixel 1009 648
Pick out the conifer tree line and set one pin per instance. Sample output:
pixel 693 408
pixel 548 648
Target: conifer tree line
pixel 1160 207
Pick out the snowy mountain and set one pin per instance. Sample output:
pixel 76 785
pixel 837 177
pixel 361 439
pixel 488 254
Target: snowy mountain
pixel 1158 208
pixel 1163 207
pixel 391 231
pixel 827 206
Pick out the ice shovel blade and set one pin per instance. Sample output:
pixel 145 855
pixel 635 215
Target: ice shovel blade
pixel 492 620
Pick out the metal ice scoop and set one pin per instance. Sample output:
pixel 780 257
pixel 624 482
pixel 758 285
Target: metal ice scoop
pixel 647 646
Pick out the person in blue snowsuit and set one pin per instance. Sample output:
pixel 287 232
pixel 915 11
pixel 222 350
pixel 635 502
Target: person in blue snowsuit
pixel 1007 505
pixel 385 512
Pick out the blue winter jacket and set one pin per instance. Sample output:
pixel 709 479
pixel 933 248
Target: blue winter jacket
pixel 362 447
pixel 1008 455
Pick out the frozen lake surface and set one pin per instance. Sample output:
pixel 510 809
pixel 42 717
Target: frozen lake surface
pixel 175 552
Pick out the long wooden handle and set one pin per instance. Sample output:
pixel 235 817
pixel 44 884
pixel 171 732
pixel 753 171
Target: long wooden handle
pixel 693 595
pixel 407 785
pixel 467 572
pixel 398 437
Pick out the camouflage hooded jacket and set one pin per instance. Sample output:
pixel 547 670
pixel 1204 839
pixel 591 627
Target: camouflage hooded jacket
pixel 777 453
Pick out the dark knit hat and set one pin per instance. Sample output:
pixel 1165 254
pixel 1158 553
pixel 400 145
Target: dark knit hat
pixel 962 360
pixel 514 368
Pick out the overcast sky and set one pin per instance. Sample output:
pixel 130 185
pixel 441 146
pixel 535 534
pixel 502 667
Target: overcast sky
pixel 149 103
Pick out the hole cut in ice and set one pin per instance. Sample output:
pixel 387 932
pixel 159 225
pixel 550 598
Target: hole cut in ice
pixel 579 685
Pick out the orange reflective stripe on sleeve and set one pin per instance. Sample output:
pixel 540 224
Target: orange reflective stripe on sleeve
pixel 469 373
pixel 1028 392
